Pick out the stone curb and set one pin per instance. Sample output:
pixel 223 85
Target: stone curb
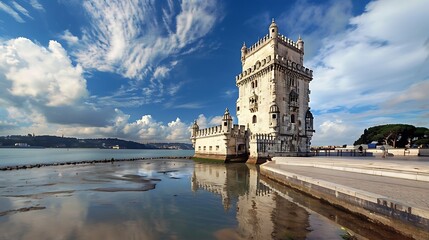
pixel 395 173
pixel 375 199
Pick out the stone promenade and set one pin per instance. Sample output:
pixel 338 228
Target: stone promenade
pixel 393 191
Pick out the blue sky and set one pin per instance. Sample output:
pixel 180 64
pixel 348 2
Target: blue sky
pixel 144 70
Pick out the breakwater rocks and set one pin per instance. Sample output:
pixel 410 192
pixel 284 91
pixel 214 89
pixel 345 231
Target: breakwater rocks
pixel 112 160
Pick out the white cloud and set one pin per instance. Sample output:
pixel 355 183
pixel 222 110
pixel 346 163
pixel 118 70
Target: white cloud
pixel 316 22
pixel 11 12
pixel 204 122
pixel 21 9
pixel 377 69
pixel 36 5
pixel 40 85
pixel 125 36
pixel 43 73
pixel 191 105
pixel 142 40
pixel 69 37
pixel 145 129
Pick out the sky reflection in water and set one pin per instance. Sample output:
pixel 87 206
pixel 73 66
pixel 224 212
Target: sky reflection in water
pixel 157 199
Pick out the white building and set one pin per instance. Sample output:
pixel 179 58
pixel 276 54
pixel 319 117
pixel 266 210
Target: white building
pixel 273 113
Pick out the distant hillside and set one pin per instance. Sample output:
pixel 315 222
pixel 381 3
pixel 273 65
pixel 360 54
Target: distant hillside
pixel 69 142
pixel 396 135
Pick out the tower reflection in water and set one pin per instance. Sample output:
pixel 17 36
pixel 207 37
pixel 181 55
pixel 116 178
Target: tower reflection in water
pixel 261 213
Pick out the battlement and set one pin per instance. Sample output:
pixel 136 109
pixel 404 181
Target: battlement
pixel 236 130
pixel 288 42
pixel 262 41
pixel 267 61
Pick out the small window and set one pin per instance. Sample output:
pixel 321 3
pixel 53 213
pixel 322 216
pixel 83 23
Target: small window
pixel 199 147
pixel 253 85
pixel 254 120
pixel 292 118
pixel 256 83
pixel 217 147
pixel 225 123
pixel 204 148
pixel 210 148
pixel 238 108
pixel 274 116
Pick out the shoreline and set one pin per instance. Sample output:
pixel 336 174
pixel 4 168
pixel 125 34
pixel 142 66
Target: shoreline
pixel 112 160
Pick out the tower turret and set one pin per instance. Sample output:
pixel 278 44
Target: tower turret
pixel 273 29
pixel 226 121
pixel 195 129
pixel 309 123
pixel 243 53
pixel 300 44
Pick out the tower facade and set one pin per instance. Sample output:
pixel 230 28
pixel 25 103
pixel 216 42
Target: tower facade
pixel 273 98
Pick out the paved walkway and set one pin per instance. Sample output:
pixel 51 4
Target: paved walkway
pixel 401 180
pixel 414 168
pixel 391 177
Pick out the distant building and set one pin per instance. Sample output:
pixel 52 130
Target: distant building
pixel 116 147
pixel 274 118
pixel 22 145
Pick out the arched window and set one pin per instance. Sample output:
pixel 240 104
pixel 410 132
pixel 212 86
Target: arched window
pixel 254 120
pixel 256 83
pixel 292 118
pixel 253 85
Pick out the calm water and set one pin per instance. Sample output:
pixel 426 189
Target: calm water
pixel 23 156
pixel 164 199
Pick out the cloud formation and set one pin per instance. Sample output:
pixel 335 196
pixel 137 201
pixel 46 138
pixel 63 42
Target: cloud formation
pixel 145 129
pixel 9 10
pixel 127 37
pixel 376 67
pixel 317 22
pixel 141 41
pixel 40 85
pixel 36 5
pixel 43 91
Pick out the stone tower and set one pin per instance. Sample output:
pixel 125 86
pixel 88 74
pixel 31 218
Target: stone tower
pixel 274 118
pixel 274 95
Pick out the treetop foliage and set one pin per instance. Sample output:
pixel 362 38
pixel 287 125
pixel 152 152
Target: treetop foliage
pixel 396 135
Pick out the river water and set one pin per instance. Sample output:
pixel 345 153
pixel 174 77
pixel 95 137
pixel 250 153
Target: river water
pixel 24 156
pixel 165 199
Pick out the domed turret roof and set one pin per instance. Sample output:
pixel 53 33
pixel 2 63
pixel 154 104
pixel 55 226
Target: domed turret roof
pixel 226 115
pixel 274 108
pixel 273 24
pixel 195 125
pixel 309 114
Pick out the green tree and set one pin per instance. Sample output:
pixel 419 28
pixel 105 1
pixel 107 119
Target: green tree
pixel 396 135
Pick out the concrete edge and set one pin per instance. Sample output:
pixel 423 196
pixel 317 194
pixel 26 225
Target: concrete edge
pixel 410 220
pixel 385 172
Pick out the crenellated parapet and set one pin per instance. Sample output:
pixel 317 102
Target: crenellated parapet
pixel 260 43
pixel 265 39
pixel 270 63
pixel 236 131
pixel 288 42
pixel 215 130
